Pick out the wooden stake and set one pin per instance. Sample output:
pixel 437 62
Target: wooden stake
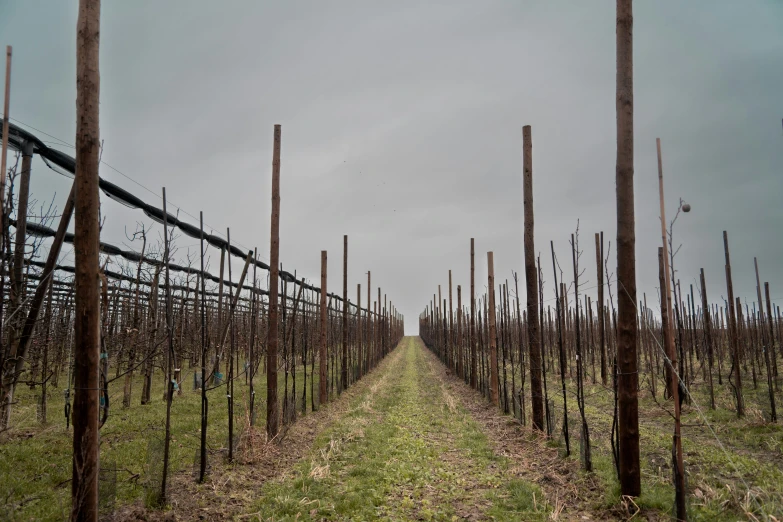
pixel 449 347
pixel 628 379
pixel 344 375
pixel 84 482
pixel 493 341
pixel 323 394
pixel 460 368
pixel 272 415
pixel 531 282
pixel 473 383
pixel 6 106
pixel 674 378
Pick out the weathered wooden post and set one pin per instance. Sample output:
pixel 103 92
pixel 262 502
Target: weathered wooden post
pixel 531 280
pixel 323 395
pixel 169 393
pixel 344 373
pixel 628 379
pixel 359 333
pixel 679 474
pixel 472 316
pixel 272 420
pixel 4 150
pixel 449 347
pixel 84 481
pixel 460 366
pixel 493 341
pixel 204 403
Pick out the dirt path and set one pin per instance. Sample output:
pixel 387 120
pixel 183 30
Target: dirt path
pixel 406 449
pixel 231 488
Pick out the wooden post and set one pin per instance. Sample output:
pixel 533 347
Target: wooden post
pixel 368 325
pixel 379 346
pixel 493 342
pixel 204 404
pixel 674 388
pixel 4 152
pixel 460 366
pixel 472 316
pixel 170 358
pixel 272 420
pixel 323 395
pixel 344 376
pixel 449 354
pixel 84 481
pixel 628 379
pixel 359 336
pixel 531 280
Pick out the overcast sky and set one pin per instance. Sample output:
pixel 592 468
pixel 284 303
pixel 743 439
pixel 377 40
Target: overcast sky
pixel 401 127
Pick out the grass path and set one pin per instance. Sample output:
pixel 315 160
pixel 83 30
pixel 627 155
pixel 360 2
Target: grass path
pixel 405 450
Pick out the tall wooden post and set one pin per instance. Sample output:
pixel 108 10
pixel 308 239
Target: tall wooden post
pixel 449 347
pixel 4 150
pixel 493 341
pixel 531 281
pixel 368 325
pixel 204 404
pixel 170 356
pixel 84 481
pixel 272 420
pixel 460 366
pixel 359 336
pixel 344 376
pixel 323 395
pixel 472 316
pixel 627 381
pixel 666 323
pixel 379 349
pixel 679 477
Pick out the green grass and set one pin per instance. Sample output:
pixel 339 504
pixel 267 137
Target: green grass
pixel 35 460
pixel 741 474
pixel 404 451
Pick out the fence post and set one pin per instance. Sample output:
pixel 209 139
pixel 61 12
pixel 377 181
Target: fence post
pixel 272 420
pixel 627 381
pixel 323 396
pixel 84 484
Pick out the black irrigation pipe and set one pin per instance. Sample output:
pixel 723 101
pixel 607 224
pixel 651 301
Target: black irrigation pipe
pixel 66 165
